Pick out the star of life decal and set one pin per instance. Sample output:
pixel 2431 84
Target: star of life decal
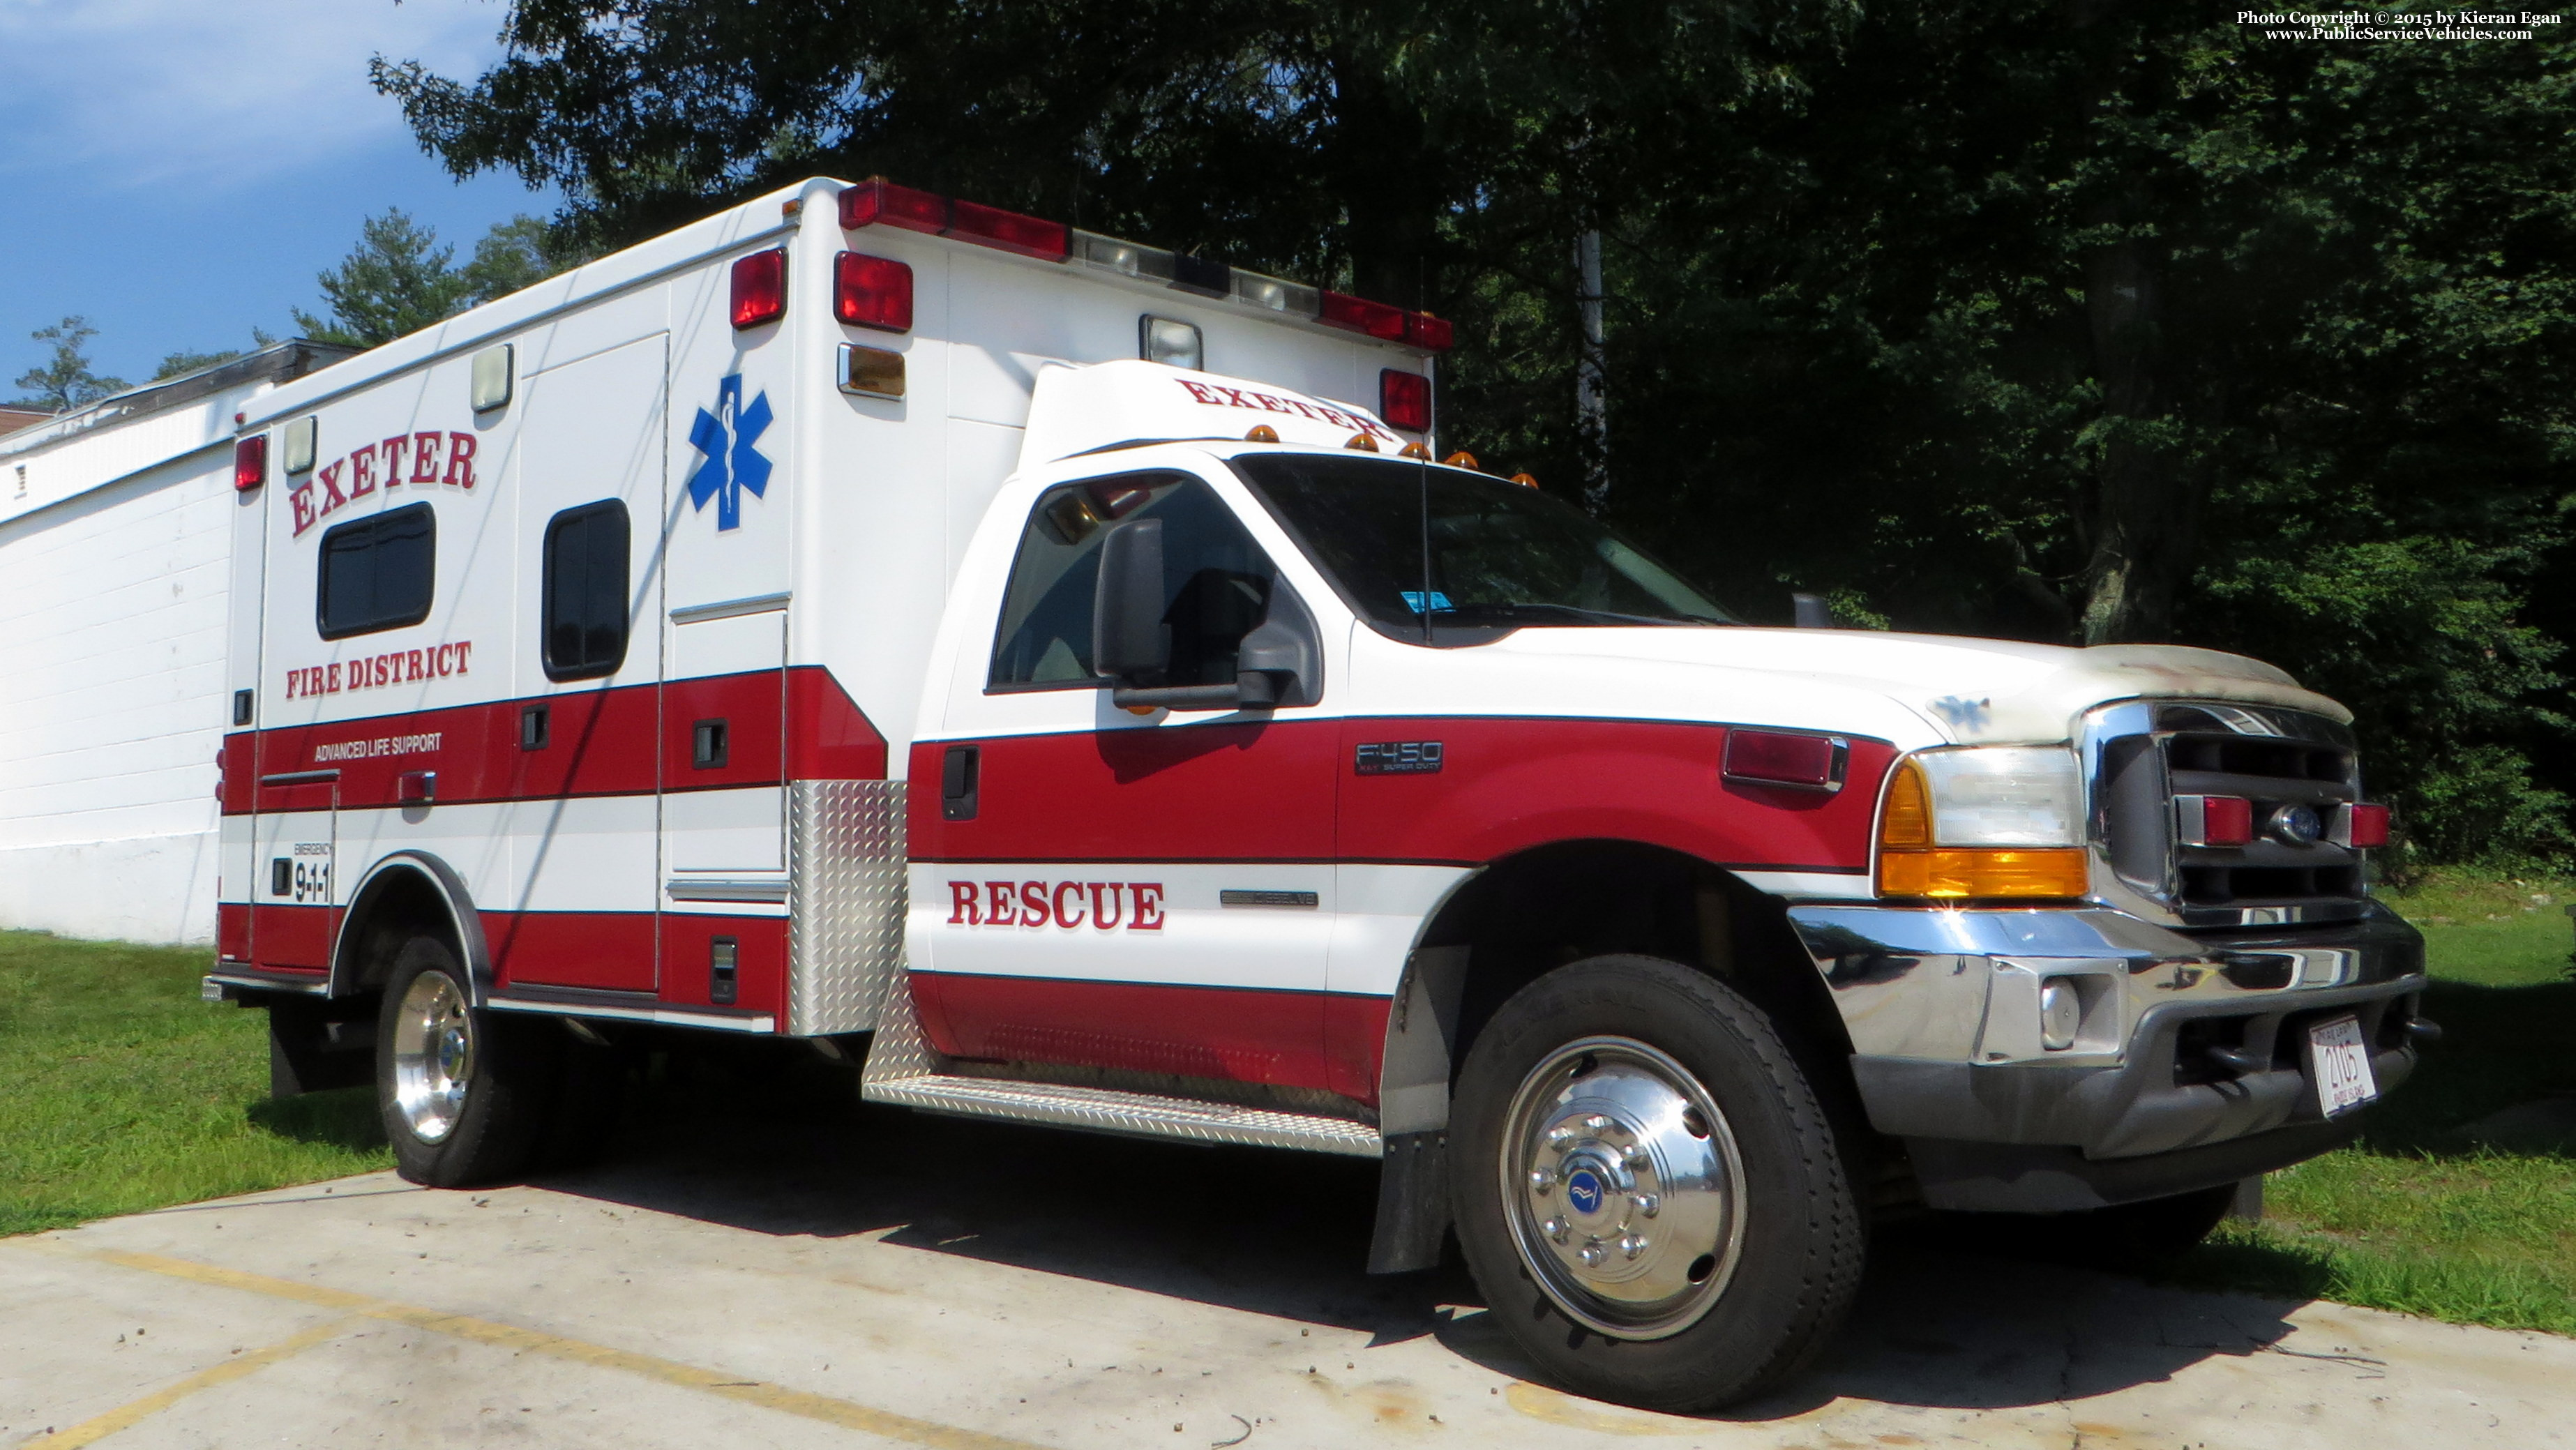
pixel 732 464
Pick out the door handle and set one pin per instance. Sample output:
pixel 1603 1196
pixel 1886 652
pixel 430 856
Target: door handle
pixel 961 773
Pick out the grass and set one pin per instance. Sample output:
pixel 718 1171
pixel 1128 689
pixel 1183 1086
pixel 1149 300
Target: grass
pixel 2418 1216
pixel 120 1091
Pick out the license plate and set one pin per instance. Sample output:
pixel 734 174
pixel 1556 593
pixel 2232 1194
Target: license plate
pixel 2339 1062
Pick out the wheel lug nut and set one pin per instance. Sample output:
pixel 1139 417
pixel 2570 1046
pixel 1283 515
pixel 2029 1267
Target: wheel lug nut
pixel 1555 1229
pixel 1541 1180
pixel 1592 1253
pixel 1596 1122
pixel 1559 1136
pixel 1647 1203
pixel 1632 1245
pixel 1634 1155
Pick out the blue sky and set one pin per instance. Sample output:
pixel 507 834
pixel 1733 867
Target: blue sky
pixel 178 170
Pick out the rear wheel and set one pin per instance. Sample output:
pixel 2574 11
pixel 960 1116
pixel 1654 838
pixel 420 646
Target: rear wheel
pixel 1647 1189
pixel 462 1092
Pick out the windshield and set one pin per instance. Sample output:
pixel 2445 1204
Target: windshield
pixel 1419 550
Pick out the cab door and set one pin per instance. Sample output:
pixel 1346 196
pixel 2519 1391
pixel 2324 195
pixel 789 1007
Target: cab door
pixel 1150 890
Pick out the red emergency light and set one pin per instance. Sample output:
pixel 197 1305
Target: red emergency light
pixel 1340 309
pixel 2359 826
pixel 1027 235
pixel 2213 820
pixel 872 292
pixel 250 462
pixel 878 201
pixel 1431 334
pixel 1404 400
pixel 760 288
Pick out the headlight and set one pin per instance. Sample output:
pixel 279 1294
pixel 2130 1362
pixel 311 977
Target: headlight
pixel 1984 822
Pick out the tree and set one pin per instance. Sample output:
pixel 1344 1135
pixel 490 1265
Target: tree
pixel 67 381
pixel 400 278
pixel 2074 320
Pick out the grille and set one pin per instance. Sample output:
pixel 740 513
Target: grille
pixel 2273 758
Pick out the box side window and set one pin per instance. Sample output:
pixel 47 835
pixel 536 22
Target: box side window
pixel 585 624
pixel 378 573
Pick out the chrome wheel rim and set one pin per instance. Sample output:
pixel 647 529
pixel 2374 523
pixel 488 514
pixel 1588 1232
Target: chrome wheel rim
pixel 433 1056
pixel 1624 1188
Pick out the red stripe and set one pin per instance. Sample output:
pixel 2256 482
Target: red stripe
pixel 1211 1032
pixel 292 938
pixel 1270 792
pixel 1187 793
pixel 599 742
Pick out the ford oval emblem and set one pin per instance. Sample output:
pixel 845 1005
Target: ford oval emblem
pixel 2297 826
pixel 1583 1190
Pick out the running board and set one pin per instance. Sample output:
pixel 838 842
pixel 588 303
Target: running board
pixel 902 1070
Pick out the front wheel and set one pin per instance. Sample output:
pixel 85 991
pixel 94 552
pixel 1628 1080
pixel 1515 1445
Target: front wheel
pixel 1647 1189
pixel 462 1092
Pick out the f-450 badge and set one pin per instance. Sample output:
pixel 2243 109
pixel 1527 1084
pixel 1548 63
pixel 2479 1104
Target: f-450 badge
pixel 732 464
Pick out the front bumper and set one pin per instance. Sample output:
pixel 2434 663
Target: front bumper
pixel 2189 1068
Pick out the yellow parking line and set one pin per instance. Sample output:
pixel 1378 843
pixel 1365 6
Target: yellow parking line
pixel 99 1427
pixel 824 1408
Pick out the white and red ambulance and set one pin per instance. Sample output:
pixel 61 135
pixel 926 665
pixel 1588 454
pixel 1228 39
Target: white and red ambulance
pixel 1067 674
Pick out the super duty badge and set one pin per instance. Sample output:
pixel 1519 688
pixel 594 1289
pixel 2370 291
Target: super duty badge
pixel 1399 757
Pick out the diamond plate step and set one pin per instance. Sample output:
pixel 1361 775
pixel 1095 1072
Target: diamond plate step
pixel 1146 1115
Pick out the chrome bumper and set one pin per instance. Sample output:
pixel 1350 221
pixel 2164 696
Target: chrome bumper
pixel 2188 1069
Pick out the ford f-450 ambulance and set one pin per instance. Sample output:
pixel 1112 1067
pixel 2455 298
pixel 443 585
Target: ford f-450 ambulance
pixel 1067 674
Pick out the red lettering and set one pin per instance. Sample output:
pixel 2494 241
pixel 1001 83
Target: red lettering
pixel 1235 396
pixel 1300 407
pixel 388 669
pixel 290 683
pixel 393 450
pixel 962 905
pixel 413 661
pixel 1033 903
pixel 464 647
pixel 460 459
pixel 331 496
pixel 1149 905
pixel 1270 403
pixel 1001 903
pixel 301 500
pixel 331 680
pixel 1056 898
pixel 362 472
pixel 424 457
pixel 1108 900
pixel 442 662
pixel 1200 392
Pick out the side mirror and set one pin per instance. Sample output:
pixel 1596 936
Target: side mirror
pixel 1812 612
pixel 1129 641
pixel 1282 659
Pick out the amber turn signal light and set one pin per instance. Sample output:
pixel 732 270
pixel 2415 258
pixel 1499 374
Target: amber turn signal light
pixel 1910 863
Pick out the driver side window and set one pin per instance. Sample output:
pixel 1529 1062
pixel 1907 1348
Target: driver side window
pixel 1216 581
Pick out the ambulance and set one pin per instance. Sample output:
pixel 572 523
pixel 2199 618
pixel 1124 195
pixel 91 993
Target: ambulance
pixel 1079 684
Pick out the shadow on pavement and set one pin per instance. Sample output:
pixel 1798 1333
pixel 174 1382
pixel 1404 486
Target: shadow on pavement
pixel 1949 1317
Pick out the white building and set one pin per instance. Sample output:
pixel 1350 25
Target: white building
pixel 115 532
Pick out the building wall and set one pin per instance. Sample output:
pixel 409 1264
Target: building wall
pixel 111 678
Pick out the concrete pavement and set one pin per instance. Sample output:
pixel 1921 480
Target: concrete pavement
pixel 827 1276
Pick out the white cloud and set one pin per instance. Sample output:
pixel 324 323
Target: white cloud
pixel 215 93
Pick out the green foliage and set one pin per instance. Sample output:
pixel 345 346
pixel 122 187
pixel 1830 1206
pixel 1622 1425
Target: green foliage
pixel 2076 323
pixel 124 1092
pixel 400 278
pixel 66 381
pixel 178 363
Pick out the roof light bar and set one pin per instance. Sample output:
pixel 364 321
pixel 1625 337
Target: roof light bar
pixel 1340 309
pixel 1027 235
pixel 879 202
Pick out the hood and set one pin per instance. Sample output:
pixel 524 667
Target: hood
pixel 1969 690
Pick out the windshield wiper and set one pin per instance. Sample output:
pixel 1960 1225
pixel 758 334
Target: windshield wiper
pixel 1508 611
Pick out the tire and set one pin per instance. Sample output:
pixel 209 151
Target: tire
pixel 463 1092
pixel 1647 1189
